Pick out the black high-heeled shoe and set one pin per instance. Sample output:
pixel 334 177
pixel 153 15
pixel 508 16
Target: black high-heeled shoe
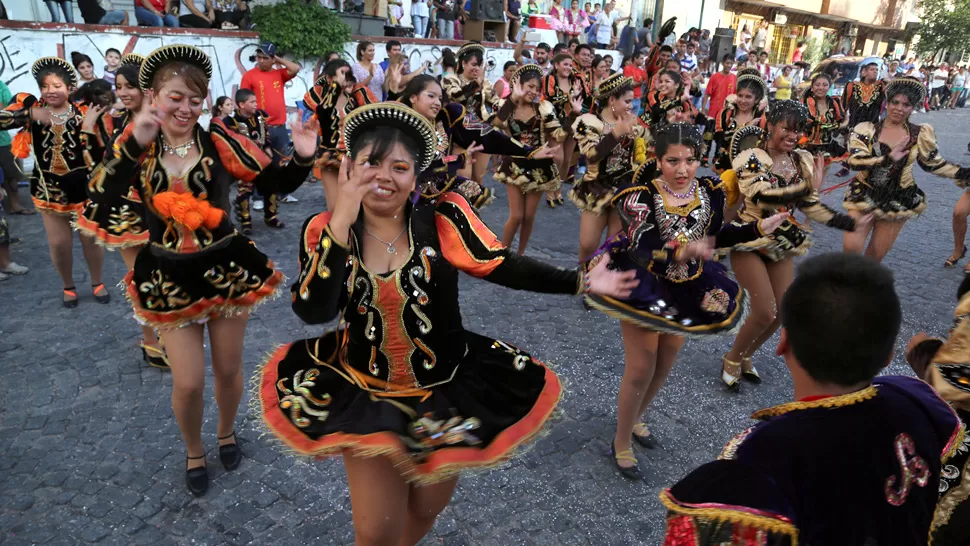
pixel 229 454
pixel 629 472
pixel 551 203
pixel 154 356
pixel 196 479
pixel 646 439
pixel 69 293
pixel 101 294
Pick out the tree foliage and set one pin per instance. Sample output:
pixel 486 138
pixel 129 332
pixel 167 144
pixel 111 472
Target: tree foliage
pixel 945 24
pixel 300 28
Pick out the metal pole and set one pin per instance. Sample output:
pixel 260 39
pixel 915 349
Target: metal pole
pixel 700 19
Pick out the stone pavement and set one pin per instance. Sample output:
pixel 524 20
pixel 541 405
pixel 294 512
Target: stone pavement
pixel 90 451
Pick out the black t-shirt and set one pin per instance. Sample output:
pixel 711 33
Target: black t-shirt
pixel 91 11
pixel 446 14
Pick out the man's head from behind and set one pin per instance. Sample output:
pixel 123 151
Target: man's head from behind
pixel 840 318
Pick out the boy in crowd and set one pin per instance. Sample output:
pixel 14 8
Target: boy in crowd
pixel 250 121
pixel 113 58
pixel 854 458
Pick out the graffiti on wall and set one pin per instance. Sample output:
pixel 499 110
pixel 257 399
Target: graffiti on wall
pixel 231 57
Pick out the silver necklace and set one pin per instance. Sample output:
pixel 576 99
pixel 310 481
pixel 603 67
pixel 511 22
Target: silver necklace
pixel 391 249
pixel 60 119
pixel 686 195
pixel 181 150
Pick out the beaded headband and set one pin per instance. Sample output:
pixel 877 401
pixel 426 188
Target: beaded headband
pixel 470 47
pixel 524 70
pixel 908 85
pixel 683 131
pixel 753 78
pixel 172 53
pixel 132 59
pixel 55 62
pixel 612 83
pixel 393 114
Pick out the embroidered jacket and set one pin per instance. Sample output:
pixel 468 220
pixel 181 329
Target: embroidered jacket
pixel 323 99
pixel 478 99
pixel 253 127
pixel 871 157
pixel 863 101
pixel 823 126
pixel 58 147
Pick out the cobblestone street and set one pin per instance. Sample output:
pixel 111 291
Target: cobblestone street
pixel 90 451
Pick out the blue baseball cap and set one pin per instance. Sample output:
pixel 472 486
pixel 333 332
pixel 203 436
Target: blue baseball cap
pixel 267 48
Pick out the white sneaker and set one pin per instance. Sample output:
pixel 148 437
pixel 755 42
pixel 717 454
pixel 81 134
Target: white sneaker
pixel 258 204
pixel 15 269
pixel 3 276
pixel 290 199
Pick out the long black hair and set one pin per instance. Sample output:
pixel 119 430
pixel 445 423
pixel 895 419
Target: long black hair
pixel 469 55
pixel 791 112
pixel 95 92
pixel 331 68
pixel 678 134
pixel 820 75
pixel 77 59
pixel 382 139
pixel 417 84
pixel 130 72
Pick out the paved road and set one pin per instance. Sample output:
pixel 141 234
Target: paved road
pixel 90 451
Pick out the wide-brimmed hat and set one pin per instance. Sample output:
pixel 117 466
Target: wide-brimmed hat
pixel 172 53
pixel 58 63
pixel 382 115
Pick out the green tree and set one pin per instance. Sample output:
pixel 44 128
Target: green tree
pixel 302 29
pixel 945 24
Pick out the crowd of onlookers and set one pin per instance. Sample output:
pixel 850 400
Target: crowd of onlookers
pixel 221 14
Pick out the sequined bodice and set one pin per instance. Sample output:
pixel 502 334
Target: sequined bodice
pixel 527 132
pixel 57 147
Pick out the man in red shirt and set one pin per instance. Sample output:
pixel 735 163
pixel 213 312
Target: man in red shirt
pixel 635 70
pixel 267 83
pixel 720 85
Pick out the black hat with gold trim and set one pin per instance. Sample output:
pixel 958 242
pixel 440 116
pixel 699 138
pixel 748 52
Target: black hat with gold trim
pixel 752 76
pixel 907 85
pixel 55 63
pixel 469 48
pixel 380 115
pixel 132 59
pixel 524 70
pixel 172 53
pixel 611 83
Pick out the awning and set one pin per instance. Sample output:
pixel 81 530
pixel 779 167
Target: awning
pixel 823 16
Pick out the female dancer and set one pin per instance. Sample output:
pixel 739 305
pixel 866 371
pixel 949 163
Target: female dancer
pixel 405 394
pixel 773 176
pixel 885 153
pixel 668 104
pixel 669 226
pixel 614 145
pixel 424 95
pixel 558 89
pixel 198 271
pixel 471 89
pixel 528 178
pixel 740 110
pixel 117 222
pixel 826 117
pixel 52 125
pixel 331 104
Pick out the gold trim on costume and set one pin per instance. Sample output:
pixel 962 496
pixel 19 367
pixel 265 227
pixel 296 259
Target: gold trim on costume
pixel 828 403
pixel 732 514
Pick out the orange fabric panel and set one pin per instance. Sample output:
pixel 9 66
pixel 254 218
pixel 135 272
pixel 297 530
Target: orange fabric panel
pixel 453 241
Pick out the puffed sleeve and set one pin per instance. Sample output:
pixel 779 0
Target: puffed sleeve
pixel 492 142
pixel 552 129
pixel 861 145
pixel 244 160
pixel 588 130
pixel 644 244
pixel 948 371
pixel 455 92
pixel 753 167
pixel 468 244
pixel 17 114
pixel 319 294
pixel 929 158
pixel 96 143
pixel 731 234
pixel 812 204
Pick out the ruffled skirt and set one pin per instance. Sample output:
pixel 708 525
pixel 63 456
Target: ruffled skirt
pixel 62 195
pixel 596 196
pixel 529 175
pixel 498 399
pixel 114 223
pixel 886 201
pixel 787 241
pixel 170 291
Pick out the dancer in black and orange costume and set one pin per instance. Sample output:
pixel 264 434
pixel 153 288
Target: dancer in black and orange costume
pixel 197 272
pixel 559 88
pixel 741 109
pixel 400 389
pixel 52 130
pixel 885 155
pixel 771 176
pixel 533 123
pixel 249 121
pixel 470 88
pixel 826 119
pixel 615 144
pixel 333 96
pixel 117 222
pixel 668 104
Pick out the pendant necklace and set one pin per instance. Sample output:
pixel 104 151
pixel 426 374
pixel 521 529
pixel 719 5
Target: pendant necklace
pixel 391 249
pixel 181 150
pixel 686 195
pixel 60 119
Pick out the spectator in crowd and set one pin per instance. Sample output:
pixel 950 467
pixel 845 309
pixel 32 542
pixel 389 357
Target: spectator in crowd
pixel 420 10
pixel 196 14
pixel 393 48
pixel 8 267
pixel 502 87
pixel 688 60
pixel 9 170
pixel 937 85
pixel 798 74
pixel 85 68
pixel 101 12
pixel 890 72
pixel 267 82
pixel 704 50
pixel 155 13
pixel 761 36
pixel 575 22
pixel 224 107
pixel 557 13
pixel 964 80
pixel 645 35
pixel 446 13
pixel 231 14
pixel 67 6
pixel 113 57
pixel 719 87
pixel 605 33
pixel 513 14
pixel 764 67
pixel 635 70
pixel 744 34
pixel 783 84
pixel 530 8
pixel 367 72
pixel 744 48
pixel 796 56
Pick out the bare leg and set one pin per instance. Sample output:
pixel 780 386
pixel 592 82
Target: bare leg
pixel 640 359
pixel 528 219
pixel 855 241
pixel 226 336
pixel 60 240
pixel 378 500
pixel 424 505
pixel 591 228
pixel 187 361
pixel 667 348
pixel 479 167
pixel 960 212
pixel 128 255
pixel 94 256
pixel 884 234
pixel 752 275
pixel 781 275
pixel 516 212
pixel 4 256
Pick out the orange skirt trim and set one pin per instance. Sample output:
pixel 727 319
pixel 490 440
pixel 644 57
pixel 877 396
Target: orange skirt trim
pixel 440 465
pixel 57 208
pixel 107 239
pixel 203 309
